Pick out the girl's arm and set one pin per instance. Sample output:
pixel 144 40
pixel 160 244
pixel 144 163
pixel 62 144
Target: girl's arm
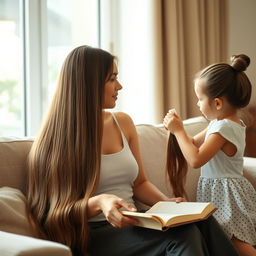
pixel 195 155
pixel 198 139
pixel 144 190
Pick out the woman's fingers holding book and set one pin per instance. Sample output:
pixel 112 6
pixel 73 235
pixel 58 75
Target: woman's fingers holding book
pixel 122 220
pixel 127 221
pixel 178 199
pixel 118 220
pixel 110 207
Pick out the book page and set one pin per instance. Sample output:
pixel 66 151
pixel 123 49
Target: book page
pixel 173 213
pixel 152 223
pixel 173 208
pixel 145 220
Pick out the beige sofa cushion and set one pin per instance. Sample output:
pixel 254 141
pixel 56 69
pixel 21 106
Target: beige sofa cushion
pixel 153 146
pixel 250 169
pixel 13 214
pixel 13 161
pixel 17 245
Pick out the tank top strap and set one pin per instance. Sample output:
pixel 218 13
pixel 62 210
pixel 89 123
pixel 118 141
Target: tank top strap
pixel 114 117
pixel 119 128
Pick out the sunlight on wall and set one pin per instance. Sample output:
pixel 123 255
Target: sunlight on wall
pixel 132 41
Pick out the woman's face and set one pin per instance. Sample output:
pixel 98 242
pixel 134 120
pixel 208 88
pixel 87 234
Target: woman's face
pixel 112 86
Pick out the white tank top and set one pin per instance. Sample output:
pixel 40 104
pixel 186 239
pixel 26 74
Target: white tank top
pixel 118 173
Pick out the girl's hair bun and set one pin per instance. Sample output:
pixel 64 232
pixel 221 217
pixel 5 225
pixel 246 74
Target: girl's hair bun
pixel 240 62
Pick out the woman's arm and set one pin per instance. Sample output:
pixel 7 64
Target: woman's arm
pixel 144 190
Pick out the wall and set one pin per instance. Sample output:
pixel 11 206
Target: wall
pixel 242 35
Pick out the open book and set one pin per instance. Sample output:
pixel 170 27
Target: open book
pixel 164 215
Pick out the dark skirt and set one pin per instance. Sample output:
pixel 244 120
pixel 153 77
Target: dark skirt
pixel 197 239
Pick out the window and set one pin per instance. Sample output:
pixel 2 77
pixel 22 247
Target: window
pixel 11 75
pixel 36 36
pixel 70 24
pixel 129 33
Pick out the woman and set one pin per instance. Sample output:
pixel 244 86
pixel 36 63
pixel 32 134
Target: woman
pixel 85 165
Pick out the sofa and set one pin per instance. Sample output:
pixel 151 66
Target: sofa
pixel 16 236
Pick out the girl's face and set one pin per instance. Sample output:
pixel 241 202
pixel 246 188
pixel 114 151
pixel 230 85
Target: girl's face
pixel 112 86
pixel 205 105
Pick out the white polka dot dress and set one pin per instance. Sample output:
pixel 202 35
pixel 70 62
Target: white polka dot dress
pixel 222 183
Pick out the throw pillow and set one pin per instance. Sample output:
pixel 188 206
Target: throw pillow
pixel 13 215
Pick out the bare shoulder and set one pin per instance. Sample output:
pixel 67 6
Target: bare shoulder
pixel 126 124
pixel 123 118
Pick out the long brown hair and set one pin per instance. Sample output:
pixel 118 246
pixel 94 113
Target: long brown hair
pixel 221 79
pixel 176 166
pixel 64 161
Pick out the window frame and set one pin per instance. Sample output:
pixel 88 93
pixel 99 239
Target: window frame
pixel 35 62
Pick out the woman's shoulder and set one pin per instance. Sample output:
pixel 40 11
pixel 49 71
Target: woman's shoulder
pixel 123 118
pixel 126 124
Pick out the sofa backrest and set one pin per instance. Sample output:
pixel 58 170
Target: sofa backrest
pixel 13 162
pixel 153 143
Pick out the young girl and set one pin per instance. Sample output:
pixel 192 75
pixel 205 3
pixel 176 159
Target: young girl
pixel 221 89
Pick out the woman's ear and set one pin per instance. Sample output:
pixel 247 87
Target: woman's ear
pixel 218 102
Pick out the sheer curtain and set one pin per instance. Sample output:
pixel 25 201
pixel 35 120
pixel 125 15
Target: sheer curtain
pixel 161 45
pixel 133 29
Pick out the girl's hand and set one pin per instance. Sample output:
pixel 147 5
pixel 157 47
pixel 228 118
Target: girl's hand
pixel 173 122
pixel 110 205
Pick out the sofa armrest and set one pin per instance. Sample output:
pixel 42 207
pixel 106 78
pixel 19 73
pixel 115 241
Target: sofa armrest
pixel 250 169
pixel 18 245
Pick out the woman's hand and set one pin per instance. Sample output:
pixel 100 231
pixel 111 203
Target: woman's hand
pixel 110 205
pixel 178 199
